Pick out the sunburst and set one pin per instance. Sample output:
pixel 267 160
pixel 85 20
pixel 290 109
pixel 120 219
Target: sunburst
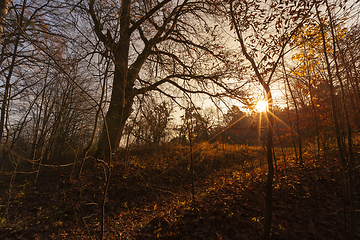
pixel 261 106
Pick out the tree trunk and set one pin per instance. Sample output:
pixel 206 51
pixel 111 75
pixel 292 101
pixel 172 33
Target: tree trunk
pixel 297 116
pixel 270 176
pixel 340 143
pixel 290 122
pixel 113 127
pixel 349 164
pixel 7 97
pixel 119 111
pixel 121 96
pixel 4 8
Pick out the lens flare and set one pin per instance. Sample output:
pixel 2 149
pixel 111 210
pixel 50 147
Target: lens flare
pixel 261 106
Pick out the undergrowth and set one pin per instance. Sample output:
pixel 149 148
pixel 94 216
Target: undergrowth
pixel 150 198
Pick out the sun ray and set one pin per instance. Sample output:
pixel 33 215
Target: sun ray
pixel 259 129
pixel 279 120
pixel 228 127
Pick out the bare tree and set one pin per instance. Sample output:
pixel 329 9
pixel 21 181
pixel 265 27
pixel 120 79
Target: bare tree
pixel 37 63
pixel 345 157
pixel 154 45
pixel 264 50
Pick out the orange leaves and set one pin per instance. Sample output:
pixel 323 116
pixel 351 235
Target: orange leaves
pixel 299 85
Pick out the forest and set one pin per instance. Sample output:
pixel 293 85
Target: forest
pixel 179 119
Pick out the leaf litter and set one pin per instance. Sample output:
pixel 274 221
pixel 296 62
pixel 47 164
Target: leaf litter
pixel 146 201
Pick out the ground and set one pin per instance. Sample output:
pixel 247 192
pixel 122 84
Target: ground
pixel 150 198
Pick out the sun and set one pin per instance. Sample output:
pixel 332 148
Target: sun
pixel 261 106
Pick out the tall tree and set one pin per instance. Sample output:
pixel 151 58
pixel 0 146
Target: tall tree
pixel 153 44
pixel 347 159
pixel 252 22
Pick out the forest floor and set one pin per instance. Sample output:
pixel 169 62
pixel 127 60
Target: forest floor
pixel 150 198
